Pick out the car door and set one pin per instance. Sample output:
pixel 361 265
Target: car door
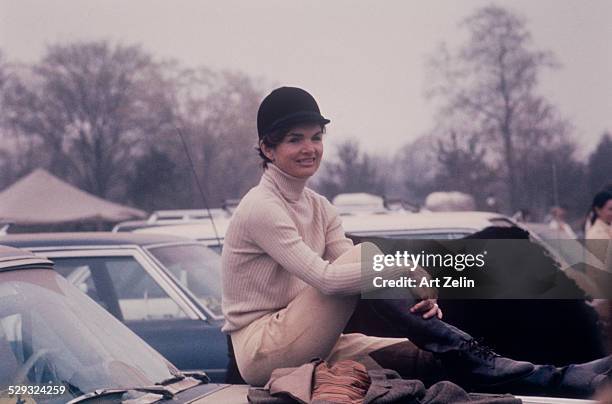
pixel 128 285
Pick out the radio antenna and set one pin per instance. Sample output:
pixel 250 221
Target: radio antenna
pixel 199 185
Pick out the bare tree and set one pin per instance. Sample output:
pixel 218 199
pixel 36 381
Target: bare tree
pixel 159 181
pixel 3 72
pixel 418 166
pixel 17 153
pixel 462 167
pixel 90 104
pixel 489 86
pixel 108 117
pixel 352 171
pixel 559 178
pixel 600 165
pixel 217 114
pixel 5 174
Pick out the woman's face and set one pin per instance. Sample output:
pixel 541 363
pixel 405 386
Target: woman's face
pixel 605 212
pixel 300 152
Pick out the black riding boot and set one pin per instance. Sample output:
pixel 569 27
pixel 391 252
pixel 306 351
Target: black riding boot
pixel 464 359
pixel 573 381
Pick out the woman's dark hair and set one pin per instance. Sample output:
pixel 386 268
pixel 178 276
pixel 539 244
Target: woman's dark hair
pixel 273 139
pixel 600 199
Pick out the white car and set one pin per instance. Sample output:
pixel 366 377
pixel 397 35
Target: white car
pixel 390 224
pixel 208 232
pixel 424 225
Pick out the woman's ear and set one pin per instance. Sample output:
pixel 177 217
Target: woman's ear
pixel 267 151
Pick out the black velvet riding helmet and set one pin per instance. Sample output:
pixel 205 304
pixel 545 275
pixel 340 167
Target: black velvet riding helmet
pixel 285 107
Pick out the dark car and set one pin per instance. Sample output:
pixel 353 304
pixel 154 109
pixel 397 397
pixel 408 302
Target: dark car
pixel 58 346
pixel 164 288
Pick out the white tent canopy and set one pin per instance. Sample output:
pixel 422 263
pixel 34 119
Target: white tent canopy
pixel 41 198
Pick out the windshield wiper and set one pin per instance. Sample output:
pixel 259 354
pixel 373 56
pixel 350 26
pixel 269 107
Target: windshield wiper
pixel 198 375
pixel 165 388
pixel 94 395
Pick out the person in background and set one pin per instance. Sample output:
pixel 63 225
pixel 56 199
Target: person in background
pixel 590 216
pixel 598 241
pixel 601 217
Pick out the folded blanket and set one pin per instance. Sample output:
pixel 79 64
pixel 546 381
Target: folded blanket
pixel 348 382
pixel 344 382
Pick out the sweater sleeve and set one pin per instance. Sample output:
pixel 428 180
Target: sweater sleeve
pixel 271 228
pixel 336 242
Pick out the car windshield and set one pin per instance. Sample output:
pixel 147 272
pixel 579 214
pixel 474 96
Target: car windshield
pixel 197 268
pixel 52 334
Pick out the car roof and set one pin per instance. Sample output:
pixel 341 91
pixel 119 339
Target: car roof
pixel 174 217
pixel 200 231
pixel 14 258
pixel 471 221
pixel 33 240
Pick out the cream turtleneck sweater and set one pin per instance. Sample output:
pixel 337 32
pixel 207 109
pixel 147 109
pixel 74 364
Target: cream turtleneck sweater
pixel 282 237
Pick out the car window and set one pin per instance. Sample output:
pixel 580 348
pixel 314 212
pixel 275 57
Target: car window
pixel 197 268
pixel 121 285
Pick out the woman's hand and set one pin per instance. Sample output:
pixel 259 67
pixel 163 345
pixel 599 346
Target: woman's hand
pixel 429 308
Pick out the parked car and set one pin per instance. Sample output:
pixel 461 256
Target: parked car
pixel 166 289
pixel 58 346
pixel 205 231
pixel 378 223
pixel 423 225
pixel 177 217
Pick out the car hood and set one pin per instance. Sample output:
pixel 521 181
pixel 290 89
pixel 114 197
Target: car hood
pixel 237 394
pixel 227 394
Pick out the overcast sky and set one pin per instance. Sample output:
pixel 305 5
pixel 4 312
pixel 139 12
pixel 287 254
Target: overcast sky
pixel 363 60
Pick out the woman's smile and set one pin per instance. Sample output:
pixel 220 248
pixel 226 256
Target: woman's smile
pixel 300 152
pixel 307 162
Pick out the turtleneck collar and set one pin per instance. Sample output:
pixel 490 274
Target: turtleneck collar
pixel 289 186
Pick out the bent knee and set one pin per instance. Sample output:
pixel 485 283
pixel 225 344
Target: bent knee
pixel 254 375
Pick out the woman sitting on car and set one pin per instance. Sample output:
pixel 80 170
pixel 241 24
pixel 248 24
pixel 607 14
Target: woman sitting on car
pixel 291 279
